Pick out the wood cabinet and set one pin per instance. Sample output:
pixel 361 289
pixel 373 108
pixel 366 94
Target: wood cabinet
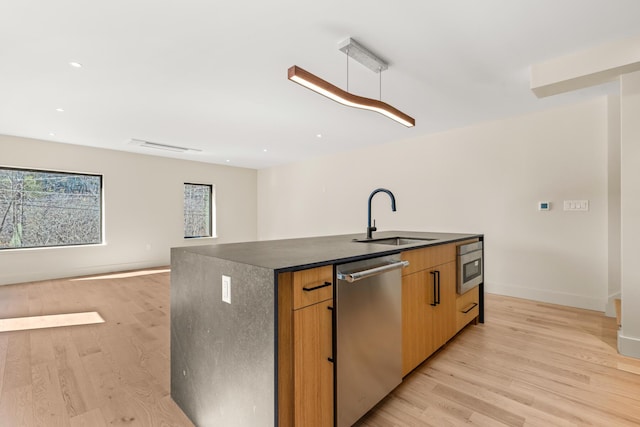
pixel 305 348
pixel 428 303
pixel 444 313
pixel 432 313
pixel 312 369
pixel 416 320
pixel 425 258
pixel 467 304
pixel 467 308
pixel 312 286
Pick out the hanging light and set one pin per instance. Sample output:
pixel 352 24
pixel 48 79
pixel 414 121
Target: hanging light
pixel 323 87
pixel 362 55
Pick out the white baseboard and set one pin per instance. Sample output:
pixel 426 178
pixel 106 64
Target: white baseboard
pixel 37 276
pixel 560 298
pixel 628 346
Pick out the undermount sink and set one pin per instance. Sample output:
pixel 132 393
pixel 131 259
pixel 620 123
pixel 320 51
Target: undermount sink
pixel 395 241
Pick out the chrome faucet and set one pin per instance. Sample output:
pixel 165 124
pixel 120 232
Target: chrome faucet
pixel 371 229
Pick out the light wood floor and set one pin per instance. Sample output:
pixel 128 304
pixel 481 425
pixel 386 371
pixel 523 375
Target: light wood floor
pixel 531 364
pixel 110 374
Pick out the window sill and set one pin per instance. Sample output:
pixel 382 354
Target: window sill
pixel 45 248
pixel 186 239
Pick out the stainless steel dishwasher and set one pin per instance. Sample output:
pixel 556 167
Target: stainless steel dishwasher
pixel 368 360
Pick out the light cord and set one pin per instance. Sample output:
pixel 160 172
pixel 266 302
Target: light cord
pixel 347 52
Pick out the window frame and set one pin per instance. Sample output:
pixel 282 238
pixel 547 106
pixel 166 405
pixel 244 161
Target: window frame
pixel 212 233
pixel 58 172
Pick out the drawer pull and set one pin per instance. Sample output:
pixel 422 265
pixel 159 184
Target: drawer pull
pixel 324 285
pixel 435 288
pixel 333 329
pixel 471 307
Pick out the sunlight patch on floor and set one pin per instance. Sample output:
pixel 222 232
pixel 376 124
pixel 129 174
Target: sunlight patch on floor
pixel 124 275
pixel 50 321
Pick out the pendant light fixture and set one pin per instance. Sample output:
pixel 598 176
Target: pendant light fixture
pixel 356 51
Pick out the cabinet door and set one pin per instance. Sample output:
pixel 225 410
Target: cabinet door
pixel 428 313
pixel 416 318
pixel 444 313
pixel 313 371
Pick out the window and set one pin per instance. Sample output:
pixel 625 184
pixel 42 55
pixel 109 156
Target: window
pixel 198 212
pixel 45 208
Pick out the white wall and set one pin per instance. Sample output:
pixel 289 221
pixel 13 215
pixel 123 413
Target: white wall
pixel 143 199
pixel 629 335
pixel 613 192
pixel 486 179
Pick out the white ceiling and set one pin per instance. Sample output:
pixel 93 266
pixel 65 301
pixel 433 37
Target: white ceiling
pixel 211 74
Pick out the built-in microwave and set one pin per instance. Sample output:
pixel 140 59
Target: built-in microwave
pixel 470 266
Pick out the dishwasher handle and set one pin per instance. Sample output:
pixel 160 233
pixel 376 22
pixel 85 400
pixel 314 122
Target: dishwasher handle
pixel 359 275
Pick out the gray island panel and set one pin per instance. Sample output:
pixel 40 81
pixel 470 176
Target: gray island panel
pixel 222 355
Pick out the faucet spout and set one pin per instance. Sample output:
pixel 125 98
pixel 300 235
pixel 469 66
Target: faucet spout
pixel 371 229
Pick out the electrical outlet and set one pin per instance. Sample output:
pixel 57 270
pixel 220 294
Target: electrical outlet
pixel 226 289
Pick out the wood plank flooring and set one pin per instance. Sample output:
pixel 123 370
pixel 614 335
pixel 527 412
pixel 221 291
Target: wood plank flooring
pixel 110 374
pixel 530 364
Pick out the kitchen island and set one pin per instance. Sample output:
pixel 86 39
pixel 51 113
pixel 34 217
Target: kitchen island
pixel 249 353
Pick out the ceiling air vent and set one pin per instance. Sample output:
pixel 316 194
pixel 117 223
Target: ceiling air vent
pixel 158 146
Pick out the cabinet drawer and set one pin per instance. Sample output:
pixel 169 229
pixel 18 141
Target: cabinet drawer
pixel 467 307
pixel 312 286
pixel 423 258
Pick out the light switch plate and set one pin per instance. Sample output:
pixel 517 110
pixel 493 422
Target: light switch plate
pixel 576 205
pixel 226 289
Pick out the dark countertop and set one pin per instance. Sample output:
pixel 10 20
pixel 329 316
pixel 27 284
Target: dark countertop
pixel 308 252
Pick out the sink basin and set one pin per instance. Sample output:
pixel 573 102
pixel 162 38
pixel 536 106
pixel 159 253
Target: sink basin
pixel 395 241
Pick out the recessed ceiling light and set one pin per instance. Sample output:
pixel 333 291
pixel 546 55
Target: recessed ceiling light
pixel 265 150
pixel 52 134
pixel 75 64
pixel 319 135
pixel 227 161
pixel 60 110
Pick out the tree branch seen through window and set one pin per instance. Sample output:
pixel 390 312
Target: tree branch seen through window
pixel 198 212
pixel 46 208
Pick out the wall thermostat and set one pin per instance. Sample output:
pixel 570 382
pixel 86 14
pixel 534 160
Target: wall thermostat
pixel 544 206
